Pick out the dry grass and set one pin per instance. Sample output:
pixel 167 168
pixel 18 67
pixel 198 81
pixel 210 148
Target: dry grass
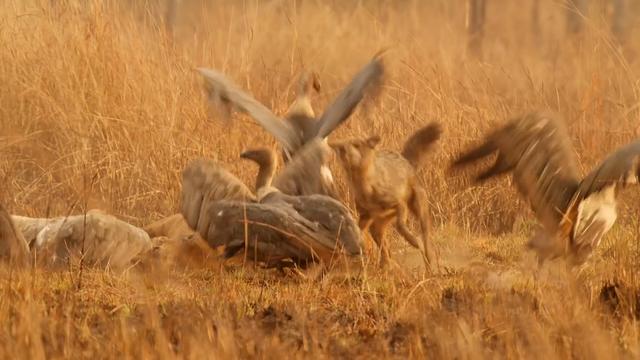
pixel 99 109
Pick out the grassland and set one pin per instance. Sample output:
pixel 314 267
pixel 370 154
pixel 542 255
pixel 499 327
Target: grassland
pixel 99 108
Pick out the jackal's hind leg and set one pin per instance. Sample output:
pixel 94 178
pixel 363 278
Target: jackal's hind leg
pixel 401 225
pixel 378 229
pixel 364 223
pixel 419 207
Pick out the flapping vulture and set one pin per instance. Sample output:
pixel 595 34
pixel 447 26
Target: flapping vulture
pixel 574 213
pixel 299 126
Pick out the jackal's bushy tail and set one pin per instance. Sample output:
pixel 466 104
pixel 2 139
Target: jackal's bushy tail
pixel 420 142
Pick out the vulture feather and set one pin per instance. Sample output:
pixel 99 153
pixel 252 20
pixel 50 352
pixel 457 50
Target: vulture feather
pixel 300 125
pixel 574 212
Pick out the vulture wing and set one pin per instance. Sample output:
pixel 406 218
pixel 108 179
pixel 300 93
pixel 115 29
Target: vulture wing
pixel 203 183
pixel 30 227
pixel 223 89
pixel 306 173
pixel 593 210
pixel 98 238
pixel 368 78
pixel 619 168
pixel 536 148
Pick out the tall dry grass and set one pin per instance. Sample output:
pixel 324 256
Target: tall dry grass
pixel 100 108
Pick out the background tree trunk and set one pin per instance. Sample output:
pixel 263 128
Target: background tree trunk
pixel 535 20
pixel 576 10
pixel 170 18
pixel 475 15
pixel 619 19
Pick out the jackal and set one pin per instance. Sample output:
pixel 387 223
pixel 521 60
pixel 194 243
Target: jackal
pixel 386 187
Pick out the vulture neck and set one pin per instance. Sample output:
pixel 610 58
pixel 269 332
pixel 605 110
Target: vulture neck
pixel 266 173
pixel 267 163
pixel 265 176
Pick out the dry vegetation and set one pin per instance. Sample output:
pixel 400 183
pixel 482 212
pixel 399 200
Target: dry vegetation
pixel 98 108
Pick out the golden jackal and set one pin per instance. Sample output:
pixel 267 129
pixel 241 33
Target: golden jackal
pixel 386 186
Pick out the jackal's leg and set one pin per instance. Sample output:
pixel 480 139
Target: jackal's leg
pixel 418 206
pixel 364 223
pixel 378 229
pixel 401 225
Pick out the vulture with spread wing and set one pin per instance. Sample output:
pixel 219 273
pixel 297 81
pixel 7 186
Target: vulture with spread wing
pixel 300 125
pixel 574 213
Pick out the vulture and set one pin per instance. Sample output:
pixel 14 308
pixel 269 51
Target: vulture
pixel 98 238
pixel 574 212
pixel 300 125
pixel 205 181
pixel 273 228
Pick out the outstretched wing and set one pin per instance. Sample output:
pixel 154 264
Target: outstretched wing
pixel 619 169
pixel 536 148
pixel 205 182
pixel 220 87
pixel 365 80
pixel 593 211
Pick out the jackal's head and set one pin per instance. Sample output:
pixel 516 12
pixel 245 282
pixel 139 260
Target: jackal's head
pixel 356 153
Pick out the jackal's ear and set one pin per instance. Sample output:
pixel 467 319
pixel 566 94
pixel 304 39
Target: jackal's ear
pixel 373 141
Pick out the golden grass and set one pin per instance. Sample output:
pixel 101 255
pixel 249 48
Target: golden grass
pixel 98 108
